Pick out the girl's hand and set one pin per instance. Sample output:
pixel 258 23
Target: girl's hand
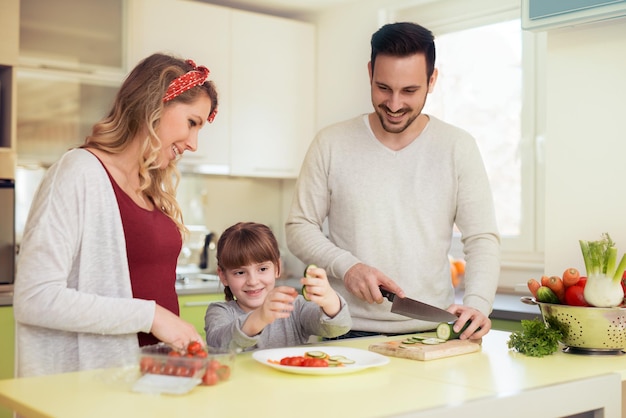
pixel 278 304
pixel 319 291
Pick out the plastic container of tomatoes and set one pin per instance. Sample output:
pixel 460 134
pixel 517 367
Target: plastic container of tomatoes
pixel 165 370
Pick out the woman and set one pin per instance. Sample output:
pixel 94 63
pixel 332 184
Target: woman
pixel 259 314
pixel 96 270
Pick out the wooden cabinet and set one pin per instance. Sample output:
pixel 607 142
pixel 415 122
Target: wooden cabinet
pixel 196 30
pixel 77 35
pixel 9 32
pixel 193 308
pixel 272 94
pixel 263 67
pixel 71 64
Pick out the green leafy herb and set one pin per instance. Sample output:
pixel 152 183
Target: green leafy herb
pixel 535 339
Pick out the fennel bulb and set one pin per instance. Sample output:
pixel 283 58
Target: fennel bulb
pixel 603 292
pixel 604 275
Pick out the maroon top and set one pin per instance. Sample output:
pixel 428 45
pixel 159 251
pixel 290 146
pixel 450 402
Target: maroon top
pixel 153 244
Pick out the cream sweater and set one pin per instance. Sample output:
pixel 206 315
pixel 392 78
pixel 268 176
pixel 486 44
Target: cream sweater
pixel 395 210
pixel 73 301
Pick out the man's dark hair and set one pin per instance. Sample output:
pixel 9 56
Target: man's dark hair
pixel 403 39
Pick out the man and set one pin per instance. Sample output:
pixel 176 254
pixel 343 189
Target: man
pixel 391 185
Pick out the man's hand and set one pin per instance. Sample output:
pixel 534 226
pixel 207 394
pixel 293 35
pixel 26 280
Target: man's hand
pixel 363 281
pixel 479 320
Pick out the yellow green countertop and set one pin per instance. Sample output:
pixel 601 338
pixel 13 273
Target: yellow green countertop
pixel 476 384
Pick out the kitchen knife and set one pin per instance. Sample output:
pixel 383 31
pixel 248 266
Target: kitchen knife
pixel 416 309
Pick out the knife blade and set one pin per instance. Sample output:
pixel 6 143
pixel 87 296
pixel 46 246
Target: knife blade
pixel 416 309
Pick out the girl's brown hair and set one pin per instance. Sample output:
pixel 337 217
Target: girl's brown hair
pixel 138 106
pixel 246 243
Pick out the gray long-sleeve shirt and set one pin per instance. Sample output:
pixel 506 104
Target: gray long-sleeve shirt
pixel 395 211
pixel 223 322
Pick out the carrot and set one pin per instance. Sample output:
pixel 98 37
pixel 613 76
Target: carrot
pixel 533 285
pixel 544 280
pixel 570 277
pixel 555 283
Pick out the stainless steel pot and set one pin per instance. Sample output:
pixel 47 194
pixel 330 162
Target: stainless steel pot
pixel 587 328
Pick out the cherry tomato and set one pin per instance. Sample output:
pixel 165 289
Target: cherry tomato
pixel 574 296
pixel 210 378
pixel 314 362
pixel 174 353
pixel 214 365
pixel 194 347
pixel 201 354
pixel 156 368
pixel 169 369
pixel 145 364
pixel 292 361
pixel 183 371
pixel 223 372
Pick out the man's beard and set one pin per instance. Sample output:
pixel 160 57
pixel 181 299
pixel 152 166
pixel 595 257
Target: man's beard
pixel 394 129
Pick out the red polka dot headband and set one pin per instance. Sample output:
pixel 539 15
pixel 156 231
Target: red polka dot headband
pixel 195 77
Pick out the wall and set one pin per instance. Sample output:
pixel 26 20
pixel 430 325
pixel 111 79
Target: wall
pixel 585 133
pixel 219 202
pixel 586 126
pixel 585 139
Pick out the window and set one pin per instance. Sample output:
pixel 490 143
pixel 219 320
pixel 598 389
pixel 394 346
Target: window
pixel 487 86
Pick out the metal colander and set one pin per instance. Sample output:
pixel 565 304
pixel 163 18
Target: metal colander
pixel 586 327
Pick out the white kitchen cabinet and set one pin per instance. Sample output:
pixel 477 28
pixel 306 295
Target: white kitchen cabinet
pixel 201 32
pixel 263 67
pixel 272 117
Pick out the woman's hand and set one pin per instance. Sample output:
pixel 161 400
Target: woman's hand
pixel 318 290
pixel 172 330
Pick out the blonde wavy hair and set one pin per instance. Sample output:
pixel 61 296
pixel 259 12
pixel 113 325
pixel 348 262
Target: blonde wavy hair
pixel 138 106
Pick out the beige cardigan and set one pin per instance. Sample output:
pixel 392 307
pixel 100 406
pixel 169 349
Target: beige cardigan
pixel 73 301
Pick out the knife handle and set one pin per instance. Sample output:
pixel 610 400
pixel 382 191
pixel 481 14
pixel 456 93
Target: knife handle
pixel 387 294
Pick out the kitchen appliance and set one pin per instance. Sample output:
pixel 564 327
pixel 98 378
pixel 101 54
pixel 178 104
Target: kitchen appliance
pixel 193 247
pixel 588 330
pixel 7 231
pixel 416 309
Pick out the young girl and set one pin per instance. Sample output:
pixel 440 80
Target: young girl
pixel 257 314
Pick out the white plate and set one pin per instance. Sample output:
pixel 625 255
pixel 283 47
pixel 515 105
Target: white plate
pixel 363 359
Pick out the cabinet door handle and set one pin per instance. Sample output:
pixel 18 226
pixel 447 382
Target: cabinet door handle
pixel 199 303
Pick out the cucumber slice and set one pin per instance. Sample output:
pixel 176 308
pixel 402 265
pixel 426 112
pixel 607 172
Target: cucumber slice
pixel 304 292
pixel 306 268
pixel 316 354
pixel 433 341
pixel 418 337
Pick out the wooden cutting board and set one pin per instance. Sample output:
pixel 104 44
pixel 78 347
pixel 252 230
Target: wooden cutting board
pixel 426 352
